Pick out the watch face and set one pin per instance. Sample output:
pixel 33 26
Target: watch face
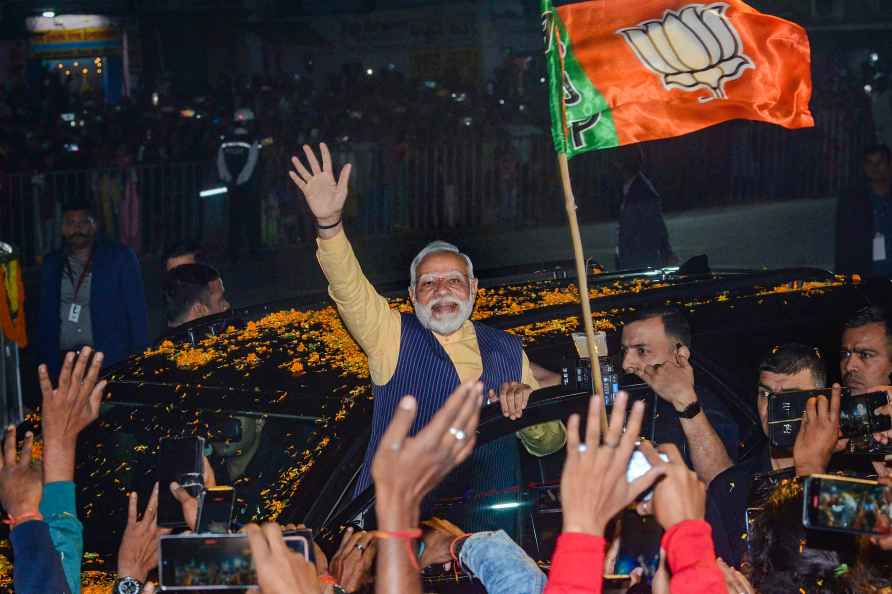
pixel 128 585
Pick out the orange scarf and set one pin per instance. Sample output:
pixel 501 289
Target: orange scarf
pixel 14 329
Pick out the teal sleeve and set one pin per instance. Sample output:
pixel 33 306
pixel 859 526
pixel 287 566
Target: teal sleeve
pixel 60 513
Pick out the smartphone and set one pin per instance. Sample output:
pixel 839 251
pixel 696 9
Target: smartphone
pixel 845 504
pixel 638 467
pixel 215 506
pixel 219 562
pixel 616 583
pixel 181 460
pixel 306 534
pixel 856 414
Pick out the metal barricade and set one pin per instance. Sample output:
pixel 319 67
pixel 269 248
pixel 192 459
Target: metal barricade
pixel 452 187
pixel 144 206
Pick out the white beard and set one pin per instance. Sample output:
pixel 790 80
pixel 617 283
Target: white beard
pixel 444 325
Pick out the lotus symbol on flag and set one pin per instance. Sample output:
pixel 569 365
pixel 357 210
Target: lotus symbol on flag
pixel 694 47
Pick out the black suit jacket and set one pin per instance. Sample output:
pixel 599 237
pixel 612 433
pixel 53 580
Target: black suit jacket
pixel 854 232
pixel 643 238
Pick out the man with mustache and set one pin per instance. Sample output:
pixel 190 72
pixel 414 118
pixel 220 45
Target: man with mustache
pixel 427 354
pixel 91 294
pixel 865 362
pixel 866 351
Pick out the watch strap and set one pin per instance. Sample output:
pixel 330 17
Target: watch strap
pixel 690 411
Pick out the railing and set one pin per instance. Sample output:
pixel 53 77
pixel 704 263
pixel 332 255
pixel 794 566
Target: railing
pixel 448 187
pixel 145 206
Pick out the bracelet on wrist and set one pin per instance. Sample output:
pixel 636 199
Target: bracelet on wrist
pixel 127 585
pixel 407 536
pixel 332 226
pixel 14 521
pixel 454 552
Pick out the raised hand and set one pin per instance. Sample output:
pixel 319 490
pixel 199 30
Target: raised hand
pixel 138 552
pixel 884 437
pixel 818 434
pixel 513 397
pixel 673 381
pixel 352 566
pixel 20 485
pixel 67 409
pixel 680 495
pixel 593 484
pixel 438 539
pixel 279 570
pixel 187 501
pixel 405 469
pixel 734 580
pixel 325 195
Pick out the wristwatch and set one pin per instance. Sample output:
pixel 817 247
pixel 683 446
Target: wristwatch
pixel 690 411
pixel 127 585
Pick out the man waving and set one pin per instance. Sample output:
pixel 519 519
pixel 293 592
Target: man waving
pixel 430 353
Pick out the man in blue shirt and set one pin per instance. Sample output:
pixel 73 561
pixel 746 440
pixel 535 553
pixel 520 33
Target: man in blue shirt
pixel 864 220
pixel 91 294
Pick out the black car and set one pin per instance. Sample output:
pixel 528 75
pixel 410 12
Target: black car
pixel 282 393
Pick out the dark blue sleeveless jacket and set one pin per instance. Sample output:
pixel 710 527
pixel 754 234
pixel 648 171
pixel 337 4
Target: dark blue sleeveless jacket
pixel 425 371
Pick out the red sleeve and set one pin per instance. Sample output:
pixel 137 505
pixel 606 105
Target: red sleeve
pixel 691 557
pixel 571 566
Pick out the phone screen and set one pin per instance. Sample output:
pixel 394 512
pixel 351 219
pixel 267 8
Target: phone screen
pixel 180 461
pixel 638 467
pixel 215 510
pixel 195 562
pixel 847 505
pixel 856 415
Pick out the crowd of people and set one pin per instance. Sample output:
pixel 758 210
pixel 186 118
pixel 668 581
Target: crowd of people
pixel 696 487
pixel 444 139
pixel 41 121
pixel 150 152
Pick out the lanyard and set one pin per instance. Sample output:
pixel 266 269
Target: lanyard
pixel 83 274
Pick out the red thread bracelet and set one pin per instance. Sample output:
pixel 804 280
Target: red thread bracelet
pixel 11 521
pixel 408 536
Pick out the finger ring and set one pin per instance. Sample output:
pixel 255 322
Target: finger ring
pixel 582 448
pixel 457 433
pixel 360 546
pixel 612 446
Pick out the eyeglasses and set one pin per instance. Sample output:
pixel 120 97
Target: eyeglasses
pixel 454 281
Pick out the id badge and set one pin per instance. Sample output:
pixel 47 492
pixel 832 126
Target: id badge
pixel 74 314
pixel 879 247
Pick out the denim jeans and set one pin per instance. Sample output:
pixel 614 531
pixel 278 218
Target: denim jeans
pixel 501 565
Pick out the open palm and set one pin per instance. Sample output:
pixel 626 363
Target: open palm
pixel 325 195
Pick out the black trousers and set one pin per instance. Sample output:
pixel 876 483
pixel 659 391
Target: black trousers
pixel 244 218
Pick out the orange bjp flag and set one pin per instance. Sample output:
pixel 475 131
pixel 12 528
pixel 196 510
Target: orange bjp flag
pixel 623 71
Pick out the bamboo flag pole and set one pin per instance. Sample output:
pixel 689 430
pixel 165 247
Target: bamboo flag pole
pixel 582 282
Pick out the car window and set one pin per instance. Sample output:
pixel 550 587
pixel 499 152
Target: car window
pixel 523 497
pixel 256 454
